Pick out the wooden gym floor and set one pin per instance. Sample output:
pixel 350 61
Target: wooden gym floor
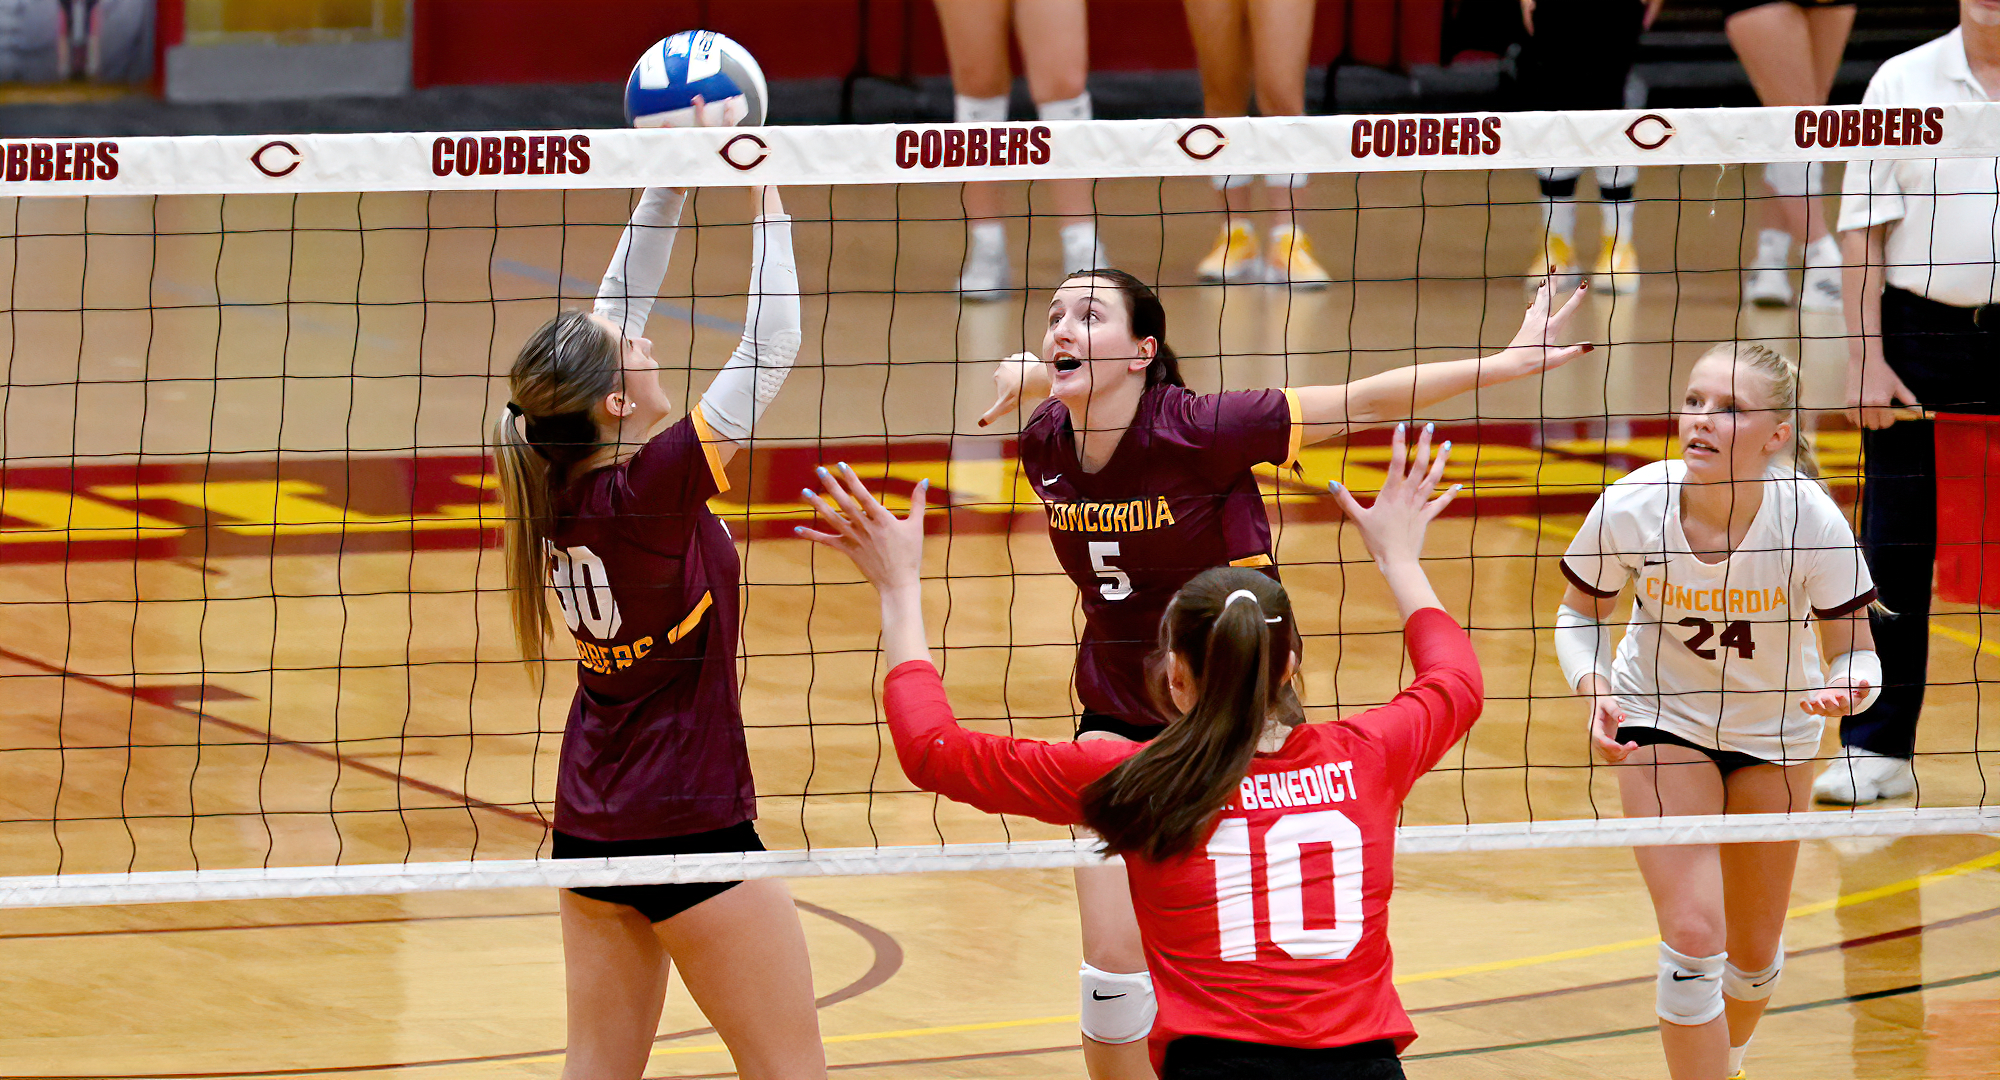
pixel 245 625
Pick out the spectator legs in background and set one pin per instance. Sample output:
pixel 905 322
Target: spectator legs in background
pixel 1262 47
pixel 1616 270
pixel 1791 53
pixel 1055 50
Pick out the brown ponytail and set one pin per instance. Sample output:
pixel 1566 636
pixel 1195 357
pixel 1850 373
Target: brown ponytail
pixel 1159 802
pixel 1149 320
pixel 563 370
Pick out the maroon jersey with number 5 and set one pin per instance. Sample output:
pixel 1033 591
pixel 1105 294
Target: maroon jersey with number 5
pixel 1176 498
pixel 646 577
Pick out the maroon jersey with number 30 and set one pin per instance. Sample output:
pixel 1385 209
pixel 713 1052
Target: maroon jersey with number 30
pixel 1176 498
pixel 647 576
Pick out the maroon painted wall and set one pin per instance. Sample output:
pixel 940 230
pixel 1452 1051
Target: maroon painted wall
pixel 531 41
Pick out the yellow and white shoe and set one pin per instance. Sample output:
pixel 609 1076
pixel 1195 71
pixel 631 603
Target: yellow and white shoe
pixel 1292 262
pixel 1557 260
pixel 1617 270
pixel 1234 257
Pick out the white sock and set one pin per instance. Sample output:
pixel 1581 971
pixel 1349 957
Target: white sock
pixel 1079 245
pixel 1824 251
pixel 1621 215
pixel 1559 215
pixel 1774 248
pixel 1736 1058
pixel 989 237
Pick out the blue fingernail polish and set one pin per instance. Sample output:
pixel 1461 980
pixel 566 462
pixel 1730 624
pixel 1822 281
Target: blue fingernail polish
pixel 1446 446
pixel 806 492
pixel 822 471
pixel 1333 485
pixel 1428 428
pixel 799 530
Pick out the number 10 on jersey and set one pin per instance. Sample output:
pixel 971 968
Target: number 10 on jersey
pixel 1283 866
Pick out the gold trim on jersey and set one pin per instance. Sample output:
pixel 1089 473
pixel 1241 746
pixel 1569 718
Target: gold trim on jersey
pixel 1134 515
pixel 1252 561
pixel 709 439
pixel 700 608
pixel 1298 411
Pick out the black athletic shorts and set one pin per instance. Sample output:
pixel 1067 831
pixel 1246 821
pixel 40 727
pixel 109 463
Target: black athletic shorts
pixel 1732 7
pixel 1198 1057
pixel 658 903
pixel 1727 760
pixel 1097 721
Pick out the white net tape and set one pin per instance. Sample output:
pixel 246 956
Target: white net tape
pixel 72 890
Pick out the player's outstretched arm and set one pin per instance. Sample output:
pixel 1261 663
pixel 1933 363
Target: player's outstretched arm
pixel 1393 395
pixel 1394 527
pixel 756 371
pixel 888 550
pixel 632 281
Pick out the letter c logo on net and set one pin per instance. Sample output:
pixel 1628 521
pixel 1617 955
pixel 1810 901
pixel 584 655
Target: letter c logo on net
pixel 1650 132
pixel 731 154
pixel 1211 141
pixel 276 152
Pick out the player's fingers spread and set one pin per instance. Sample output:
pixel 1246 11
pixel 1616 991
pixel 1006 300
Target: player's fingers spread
pixel 852 495
pixel 919 501
pixel 1396 456
pixel 1421 460
pixel 1562 315
pixel 1435 475
pixel 1344 497
pixel 1436 506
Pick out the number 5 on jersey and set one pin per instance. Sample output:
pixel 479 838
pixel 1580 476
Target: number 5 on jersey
pixel 1120 584
pixel 1285 889
pixel 584 591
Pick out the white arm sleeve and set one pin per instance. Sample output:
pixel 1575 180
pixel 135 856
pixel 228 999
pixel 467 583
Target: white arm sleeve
pixel 736 399
pixel 1583 646
pixel 632 281
pixel 1861 665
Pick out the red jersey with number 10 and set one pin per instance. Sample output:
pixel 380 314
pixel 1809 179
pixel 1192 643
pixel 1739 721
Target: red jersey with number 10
pixel 1275 929
pixel 1176 498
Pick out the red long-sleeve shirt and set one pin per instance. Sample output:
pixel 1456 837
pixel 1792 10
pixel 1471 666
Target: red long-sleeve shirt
pixel 1276 929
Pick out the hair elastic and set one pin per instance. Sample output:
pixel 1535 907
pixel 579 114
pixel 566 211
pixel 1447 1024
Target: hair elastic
pixel 1252 597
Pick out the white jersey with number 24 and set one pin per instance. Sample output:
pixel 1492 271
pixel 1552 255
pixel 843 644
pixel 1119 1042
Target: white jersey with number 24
pixel 1720 653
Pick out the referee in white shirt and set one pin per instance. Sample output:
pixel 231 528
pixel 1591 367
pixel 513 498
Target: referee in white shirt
pixel 1919 244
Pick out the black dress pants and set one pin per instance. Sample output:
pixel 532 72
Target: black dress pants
pixel 1949 357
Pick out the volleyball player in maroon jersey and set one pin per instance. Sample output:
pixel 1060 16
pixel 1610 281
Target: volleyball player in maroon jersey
pixel 1148 484
pixel 608 504
pixel 1260 850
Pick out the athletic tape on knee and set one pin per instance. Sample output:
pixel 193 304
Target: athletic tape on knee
pixel 1753 985
pixel 1689 992
pixel 1076 108
pixel 979 110
pixel 1116 1007
pixel 1788 178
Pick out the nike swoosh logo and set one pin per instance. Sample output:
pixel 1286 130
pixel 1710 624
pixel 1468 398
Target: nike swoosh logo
pixel 1678 977
pixel 1047 480
pixel 1095 996
pixel 1765 980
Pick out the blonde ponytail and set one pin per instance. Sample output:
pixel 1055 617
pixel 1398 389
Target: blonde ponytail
pixel 1781 377
pixel 564 369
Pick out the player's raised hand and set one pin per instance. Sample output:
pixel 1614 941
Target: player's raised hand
pixel 888 550
pixel 1020 371
pixel 1606 717
pixel 1536 347
pixel 1839 698
pixel 1393 528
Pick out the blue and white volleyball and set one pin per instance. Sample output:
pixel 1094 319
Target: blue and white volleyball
pixel 695 64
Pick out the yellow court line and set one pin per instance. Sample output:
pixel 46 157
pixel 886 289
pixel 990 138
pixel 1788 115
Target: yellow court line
pixel 1817 907
pixel 1984 862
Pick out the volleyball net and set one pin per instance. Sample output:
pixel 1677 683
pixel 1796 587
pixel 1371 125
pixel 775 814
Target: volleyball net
pixel 256 638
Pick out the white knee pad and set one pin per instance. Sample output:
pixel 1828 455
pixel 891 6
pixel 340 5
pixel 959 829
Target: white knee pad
pixel 979 110
pixel 1690 987
pixel 1117 1008
pixel 1787 178
pixel 1076 108
pixel 1753 985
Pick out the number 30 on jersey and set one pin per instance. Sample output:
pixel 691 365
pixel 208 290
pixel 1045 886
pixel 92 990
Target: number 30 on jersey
pixel 584 591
